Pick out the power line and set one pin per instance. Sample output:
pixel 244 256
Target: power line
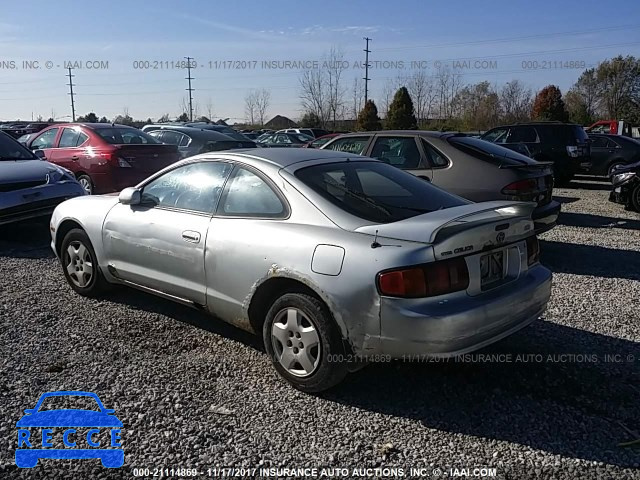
pixel 73 107
pixel 189 78
pixel 366 70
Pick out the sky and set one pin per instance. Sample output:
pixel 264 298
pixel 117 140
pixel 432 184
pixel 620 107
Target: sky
pixel 127 54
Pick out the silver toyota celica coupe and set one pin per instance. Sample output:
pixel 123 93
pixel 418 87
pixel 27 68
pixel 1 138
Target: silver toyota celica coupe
pixel 337 259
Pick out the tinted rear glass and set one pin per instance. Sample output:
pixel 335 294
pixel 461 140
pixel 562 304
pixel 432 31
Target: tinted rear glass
pixel 375 191
pixel 488 152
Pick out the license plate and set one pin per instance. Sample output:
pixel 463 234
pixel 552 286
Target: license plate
pixel 491 268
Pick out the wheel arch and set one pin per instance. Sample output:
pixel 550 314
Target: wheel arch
pixel 65 227
pixel 267 290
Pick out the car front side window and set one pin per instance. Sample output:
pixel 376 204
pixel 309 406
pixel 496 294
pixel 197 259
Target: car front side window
pixel 195 186
pixel 45 140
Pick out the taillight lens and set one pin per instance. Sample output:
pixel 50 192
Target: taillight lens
pixel 521 187
pixel 427 280
pixel 533 250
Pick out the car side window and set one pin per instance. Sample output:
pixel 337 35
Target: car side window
pixel 349 144
pixel 401 152
pixel 522 134
pixel 69 138
pixel 45 140
pixel 599 142
pixel 435 158
pixel 157 134
pixel 497 135
pixel 195 186
pixel 282 139
pixel 82 137
pixel 172 138
pixel 248 195
pixel 185 140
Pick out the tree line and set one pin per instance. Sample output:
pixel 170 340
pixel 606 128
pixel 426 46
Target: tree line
pixel 442 101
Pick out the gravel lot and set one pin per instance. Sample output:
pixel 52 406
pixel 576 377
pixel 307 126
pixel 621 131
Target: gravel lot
pixel 193 392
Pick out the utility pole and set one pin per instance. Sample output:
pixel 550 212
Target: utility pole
pixel 73 107
pixel 189 78
pixel 366 70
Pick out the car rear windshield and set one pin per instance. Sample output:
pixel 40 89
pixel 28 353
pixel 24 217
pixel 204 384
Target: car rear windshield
pixel 488 152
pixel 13 150
pixel 123 136
pixel 375 191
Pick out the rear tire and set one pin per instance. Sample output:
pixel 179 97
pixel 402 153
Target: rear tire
pixel 612 167
pixel 634 198
pixel 304 343
pixel 80 264
pixel 86 183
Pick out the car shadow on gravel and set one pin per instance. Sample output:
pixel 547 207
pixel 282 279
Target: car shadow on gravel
pixel 572 219
pixel 578 259
pixel 562 199
pixel 137 299
pixel 570 392
pixel 26 240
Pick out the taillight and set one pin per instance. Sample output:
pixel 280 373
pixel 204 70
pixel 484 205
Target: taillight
pixel 117 161
pixel 428 280
pixel 573 151
pixel 521 187
pixel 533 250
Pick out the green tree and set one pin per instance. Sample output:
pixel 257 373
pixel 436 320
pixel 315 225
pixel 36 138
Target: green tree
pixel 310 120
pixel 583 99
pixel 183 118
pixel 401 115
pixel 619 81
pixel 548 105
pixel 368 118
pixel 104 120
pixel 88 118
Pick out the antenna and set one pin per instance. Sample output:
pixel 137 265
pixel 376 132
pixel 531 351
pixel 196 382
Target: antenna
pixel 375 243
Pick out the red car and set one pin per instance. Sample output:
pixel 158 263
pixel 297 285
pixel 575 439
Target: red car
pixel 104 157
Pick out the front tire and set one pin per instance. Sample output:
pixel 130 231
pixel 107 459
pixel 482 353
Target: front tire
pixel 80 264
pixel 304 343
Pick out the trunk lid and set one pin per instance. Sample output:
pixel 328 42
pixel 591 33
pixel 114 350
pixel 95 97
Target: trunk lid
pixel 148 158
pixel 462 230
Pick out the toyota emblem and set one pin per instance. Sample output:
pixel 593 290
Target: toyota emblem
pixel 500 237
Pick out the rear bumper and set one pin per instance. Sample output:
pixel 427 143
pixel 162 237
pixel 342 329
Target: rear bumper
pixel 446 329
pixel 546 216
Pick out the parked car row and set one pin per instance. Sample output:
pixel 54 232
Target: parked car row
pixel 469 167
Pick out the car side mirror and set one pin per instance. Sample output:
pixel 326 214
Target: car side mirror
pixel 108 411
pixel 40 154
pixel 129 196
pixel 29 411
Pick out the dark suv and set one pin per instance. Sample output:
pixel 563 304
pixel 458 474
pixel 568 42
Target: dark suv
pixel 564 144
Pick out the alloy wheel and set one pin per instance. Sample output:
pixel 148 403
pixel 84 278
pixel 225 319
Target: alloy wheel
pixel 296 342
pixel 79 264
pixel 85 182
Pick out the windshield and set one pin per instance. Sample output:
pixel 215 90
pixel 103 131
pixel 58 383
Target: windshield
pixel 12 150
pixel 66 402
pixel 375 191
pixel 125 135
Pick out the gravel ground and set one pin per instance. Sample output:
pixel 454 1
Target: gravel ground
pixel 195 393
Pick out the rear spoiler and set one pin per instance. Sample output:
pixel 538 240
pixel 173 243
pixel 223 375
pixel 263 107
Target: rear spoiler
pixel 510 211
pixel 537 165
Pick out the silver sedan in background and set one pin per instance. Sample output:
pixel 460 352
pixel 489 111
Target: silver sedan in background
pixel 329 256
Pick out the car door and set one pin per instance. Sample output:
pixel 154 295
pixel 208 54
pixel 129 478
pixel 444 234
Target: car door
pixel 246 225
pixel 602 150
pixel 524 139
pixel 46 141
pixel 69 150
pixel 160 243
pixel 402 151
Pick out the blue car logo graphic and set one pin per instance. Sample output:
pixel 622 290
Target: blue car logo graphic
pixel 71 420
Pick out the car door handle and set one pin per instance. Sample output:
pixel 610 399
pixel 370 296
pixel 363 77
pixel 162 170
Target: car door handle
pixel 191 236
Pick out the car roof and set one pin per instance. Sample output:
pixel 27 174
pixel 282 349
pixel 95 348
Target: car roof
pixel 193 132
pixel 540 123
pixel 284 157
pixel 421 133
pixel 92 125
